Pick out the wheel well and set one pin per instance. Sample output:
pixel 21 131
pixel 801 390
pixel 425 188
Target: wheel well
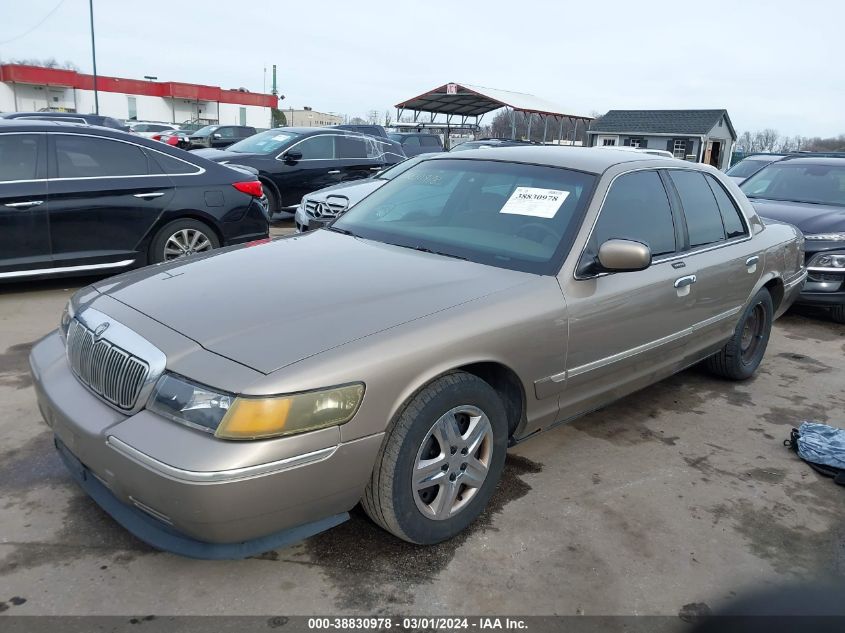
pixel 775 288
pixel 266 182
pixel 507 385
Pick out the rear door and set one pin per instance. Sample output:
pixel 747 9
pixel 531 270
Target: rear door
pixel 720 250
pixel 106 195
pixel 625 327
pixel 357 156
pixel 24 220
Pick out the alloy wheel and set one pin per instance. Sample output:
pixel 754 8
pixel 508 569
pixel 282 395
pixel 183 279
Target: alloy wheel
pixel 186 242
pixel 453 462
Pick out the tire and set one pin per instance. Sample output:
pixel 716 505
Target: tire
pixel 270 197
pixel 742 354
pixel 837 313
pixel 181 231
pixel 394 503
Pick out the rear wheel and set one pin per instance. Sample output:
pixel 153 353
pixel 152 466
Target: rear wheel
pixel 837 313
pixel 440 460
pixel 742 354
pixel 182 238
pixel 268 200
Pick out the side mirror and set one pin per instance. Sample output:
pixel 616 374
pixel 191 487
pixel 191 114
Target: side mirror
pixel 216 135
pixel 292 156
pixel 624 256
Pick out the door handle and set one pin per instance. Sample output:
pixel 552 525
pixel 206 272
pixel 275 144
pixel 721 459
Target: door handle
pixel 376 168
pixel 145 196
pixel 752 260
pixel 688 280
pixel 24 205
pixel 334 171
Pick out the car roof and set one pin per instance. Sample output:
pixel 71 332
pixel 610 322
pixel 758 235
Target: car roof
pixel 591 159
pixel 831 161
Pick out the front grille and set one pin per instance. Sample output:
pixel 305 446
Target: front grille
pixel 326 209
pixel 110 372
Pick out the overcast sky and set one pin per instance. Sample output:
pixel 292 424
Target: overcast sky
pixel 771 63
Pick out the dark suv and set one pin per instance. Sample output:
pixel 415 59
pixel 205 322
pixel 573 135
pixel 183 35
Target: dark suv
pixel 294 161
pixel 69 117
pixel 414 144
pixel 78 199
pixel 219 136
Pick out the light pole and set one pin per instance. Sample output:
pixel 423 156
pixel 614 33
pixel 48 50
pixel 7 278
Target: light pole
pixel 94 57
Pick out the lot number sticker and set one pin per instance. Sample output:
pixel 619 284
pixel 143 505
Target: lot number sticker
pixel 539 203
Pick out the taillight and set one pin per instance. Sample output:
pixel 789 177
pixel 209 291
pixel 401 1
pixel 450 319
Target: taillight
pixel 171 140
pixel 156 137
pixel 250 187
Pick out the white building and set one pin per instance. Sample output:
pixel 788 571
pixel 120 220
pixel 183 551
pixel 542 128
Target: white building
pixel 306 117
pixel 31 88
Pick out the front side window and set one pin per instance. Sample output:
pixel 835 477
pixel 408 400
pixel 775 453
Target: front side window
pixel 317 147
pixel 510 215
pixel 637 208
pixel 80 156
pixel 226 132
pixel 798 182
pixel 704 220
pixel 747 167
pixel 18 157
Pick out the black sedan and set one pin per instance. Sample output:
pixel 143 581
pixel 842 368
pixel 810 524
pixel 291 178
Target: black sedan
pixel 809 193
pixel 293 162
pixel 77 199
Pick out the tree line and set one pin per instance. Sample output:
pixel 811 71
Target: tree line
pixel 770 140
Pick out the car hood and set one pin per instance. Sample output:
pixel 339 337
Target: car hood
pixel 354 191
pixel 810 218
pixel 271 305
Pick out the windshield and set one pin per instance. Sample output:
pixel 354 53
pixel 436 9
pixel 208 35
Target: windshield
pixel 205 131
pixel 747 167
pixel 511 215
pixel 400 168
pixel 267 142
pixel 818 184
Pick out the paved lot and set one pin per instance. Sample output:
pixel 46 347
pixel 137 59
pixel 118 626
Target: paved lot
pixel 678 495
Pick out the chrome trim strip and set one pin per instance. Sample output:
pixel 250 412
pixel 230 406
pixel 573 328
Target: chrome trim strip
pixel 24 205
pixel 65 269
pixel 216 476
pixel 645 347
pixel 812 269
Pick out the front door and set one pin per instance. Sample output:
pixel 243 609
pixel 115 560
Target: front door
pixel 318 167
pixel 626 327
pixel 106 195
pixel 24 220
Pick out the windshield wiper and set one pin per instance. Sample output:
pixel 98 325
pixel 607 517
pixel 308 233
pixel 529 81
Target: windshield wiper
pixel 335 229
pixel 424 249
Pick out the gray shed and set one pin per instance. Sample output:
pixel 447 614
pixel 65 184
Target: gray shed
pixel 704 136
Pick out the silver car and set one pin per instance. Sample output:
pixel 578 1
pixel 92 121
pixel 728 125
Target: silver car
pixel 321 207
pixel 482 299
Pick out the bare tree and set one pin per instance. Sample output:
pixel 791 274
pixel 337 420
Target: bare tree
pixel 387 118
pixel 373 117
pixel 356 120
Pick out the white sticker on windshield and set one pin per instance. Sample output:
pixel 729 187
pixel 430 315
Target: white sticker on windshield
pixel 539 203
pixel 281 137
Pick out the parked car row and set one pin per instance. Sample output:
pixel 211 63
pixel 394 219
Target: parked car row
pixel 77 198
pixel 469 302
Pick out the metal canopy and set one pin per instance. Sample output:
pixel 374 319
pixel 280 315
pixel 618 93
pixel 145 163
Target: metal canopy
pixel 469 100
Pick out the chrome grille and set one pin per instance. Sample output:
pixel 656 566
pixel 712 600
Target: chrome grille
pixel 110 372
pixel 329 208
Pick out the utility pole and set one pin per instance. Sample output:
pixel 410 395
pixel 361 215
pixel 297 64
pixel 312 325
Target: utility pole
pixel 94 57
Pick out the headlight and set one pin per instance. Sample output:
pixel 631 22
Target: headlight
pixel 246 418
pixel 64 322
pixel 827 260
pixel 827 237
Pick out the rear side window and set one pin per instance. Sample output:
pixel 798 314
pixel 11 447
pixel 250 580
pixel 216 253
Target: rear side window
pixel 170 165
pixel 80 156
pixel 637 208
pixel 704 220
pixel 349 146
pixel 731 216
pixel 18 156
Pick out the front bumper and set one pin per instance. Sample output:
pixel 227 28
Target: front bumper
pixel 178 507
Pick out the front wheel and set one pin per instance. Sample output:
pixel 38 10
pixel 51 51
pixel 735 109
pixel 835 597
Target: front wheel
pixel 742 354
pixel 440 461
pixel 837 313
